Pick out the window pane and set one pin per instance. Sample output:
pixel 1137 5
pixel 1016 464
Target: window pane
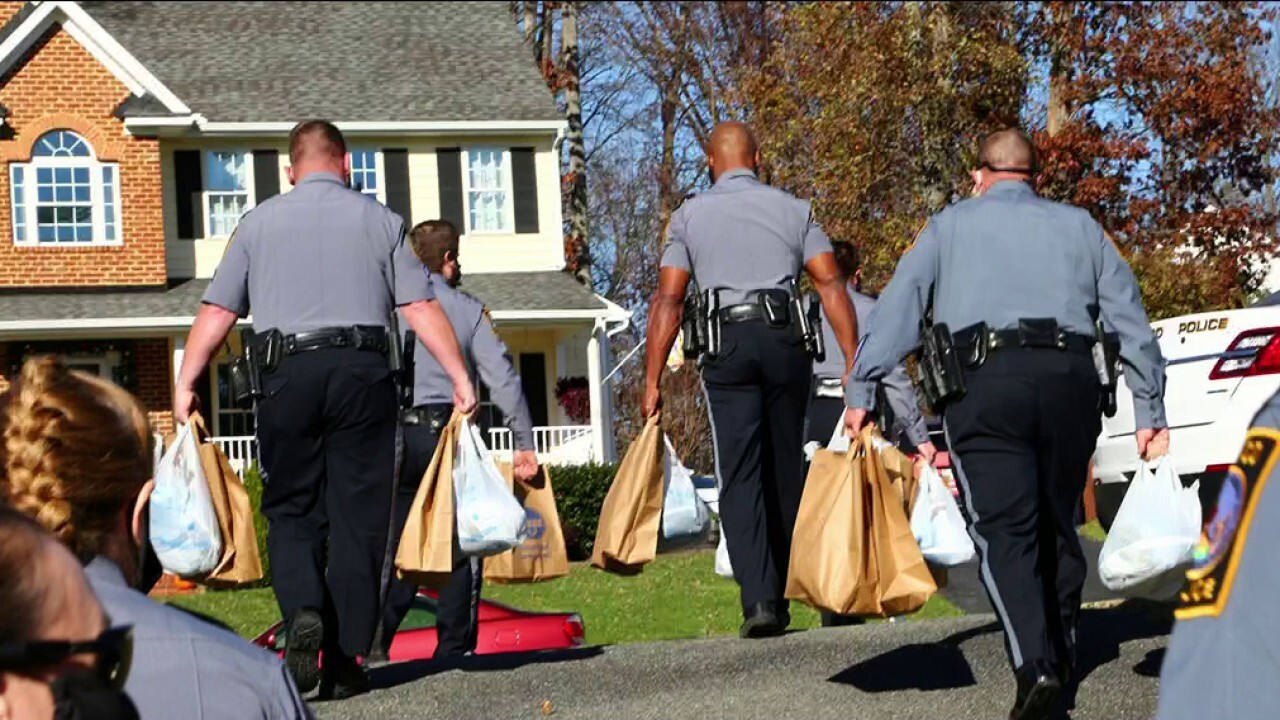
pixel 62 176
pixel 61 143
pixel 228 171
pixel 44 193
pixel 45 215
pixel 19 204
pixel 62 193
pixel 81 175
pixel 225 210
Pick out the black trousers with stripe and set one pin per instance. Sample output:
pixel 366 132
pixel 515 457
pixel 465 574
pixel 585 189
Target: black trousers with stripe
pixel 458 607
pixel 327 444
pixel 757 390
pixel 1021 440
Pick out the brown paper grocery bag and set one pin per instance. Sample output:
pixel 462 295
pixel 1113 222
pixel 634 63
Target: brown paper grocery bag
pixel 627 536
pixel 543 555
pixel 425 554
pixel 902 475
pixel 848 553
pixel 241 564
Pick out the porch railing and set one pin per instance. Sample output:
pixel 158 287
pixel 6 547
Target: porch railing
pixel 241 451
pixel 564 444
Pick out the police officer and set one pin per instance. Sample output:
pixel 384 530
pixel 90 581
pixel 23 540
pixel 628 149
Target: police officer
pixel 322 267
pixel 1021 281
pixel 435 243
pixel 1224 657
pixel 745 243
pixel 897 406
pixel 899 412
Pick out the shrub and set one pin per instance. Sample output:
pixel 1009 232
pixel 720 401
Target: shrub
pixel 253 484
pixel 580 492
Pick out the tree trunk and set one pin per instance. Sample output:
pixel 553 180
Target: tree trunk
pixel 577 256
pixel 669 104
pixel 546 39
pixel 1057 104
pixel 532 28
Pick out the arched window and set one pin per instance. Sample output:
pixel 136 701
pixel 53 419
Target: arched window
pixel 64 195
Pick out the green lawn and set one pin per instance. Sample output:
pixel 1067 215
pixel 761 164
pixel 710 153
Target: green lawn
pixel 677 596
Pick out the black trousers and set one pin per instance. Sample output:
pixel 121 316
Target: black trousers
pixel 1021 440
pixel 757 390
pixel 458 612
pixel 327 443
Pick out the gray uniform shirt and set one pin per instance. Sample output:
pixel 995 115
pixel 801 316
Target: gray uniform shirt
pixel 321 255
pixel 185 667
pixel 898 390
pixel 741 236
pixel 1007 255
pixel 1223 661
pixel 482 350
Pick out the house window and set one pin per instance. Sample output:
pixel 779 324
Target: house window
pixel 488 187
pixel 232 421
pixel 226 194
pixel 65 196
pixel 366 173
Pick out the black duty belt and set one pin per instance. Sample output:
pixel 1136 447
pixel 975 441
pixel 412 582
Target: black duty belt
pixel 744 312
pixel 973 342
pixel 371 338
pixel 434 416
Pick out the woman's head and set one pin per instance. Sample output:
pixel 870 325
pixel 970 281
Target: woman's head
pixel 44 598
pixel 77 457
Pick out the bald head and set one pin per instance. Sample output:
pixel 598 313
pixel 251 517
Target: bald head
pixel 1008 151
pixel 732 146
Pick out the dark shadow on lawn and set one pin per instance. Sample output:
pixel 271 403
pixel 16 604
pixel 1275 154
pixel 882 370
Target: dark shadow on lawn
pixel 935 666
pixel 390 676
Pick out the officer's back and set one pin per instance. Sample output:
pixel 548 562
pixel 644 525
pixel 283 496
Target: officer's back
pixel 1038 255
pixel 464 312
pixel 743 235
pixel 338 247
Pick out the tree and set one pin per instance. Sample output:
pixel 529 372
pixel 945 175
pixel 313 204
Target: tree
pixel 874 111
pixel 1159 125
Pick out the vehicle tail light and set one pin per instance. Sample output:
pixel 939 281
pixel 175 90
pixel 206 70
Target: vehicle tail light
pixel 575 629
pixel 1214 469
pixel 1253 352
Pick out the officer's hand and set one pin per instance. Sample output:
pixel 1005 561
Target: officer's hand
pixel 1153 444
pixel 652 401
pixel 525 465
pixel 927 451
pixel 854 420
pixel 185 404
pixel 464 398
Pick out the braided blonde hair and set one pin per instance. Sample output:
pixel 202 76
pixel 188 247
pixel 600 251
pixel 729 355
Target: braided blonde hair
pixel 76 452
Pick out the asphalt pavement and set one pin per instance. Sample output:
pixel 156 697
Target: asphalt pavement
pixel 951 669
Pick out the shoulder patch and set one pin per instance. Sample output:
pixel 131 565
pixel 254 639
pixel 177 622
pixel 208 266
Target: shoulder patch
pixel 484 310
pixel 1217 556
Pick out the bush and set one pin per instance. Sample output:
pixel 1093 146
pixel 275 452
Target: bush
pixel 253 484
pixel 580 492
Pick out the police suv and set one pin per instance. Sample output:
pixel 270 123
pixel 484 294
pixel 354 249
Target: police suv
pixel 1221 367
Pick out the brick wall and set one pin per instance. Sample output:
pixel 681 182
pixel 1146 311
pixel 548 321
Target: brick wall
pixel 9 9
pixel 59 85
pixel 152 362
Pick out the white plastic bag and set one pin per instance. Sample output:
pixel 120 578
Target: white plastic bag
pixel 490 519
pixel 684 515
pixel 1150 544
pixel 839 441
pixel 723 567
pixel 184 524
pixel 937 523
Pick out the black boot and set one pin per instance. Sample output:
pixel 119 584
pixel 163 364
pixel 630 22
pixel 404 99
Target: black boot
pixel 343 677
pixel 763 620
pixel 1038 688
pixel 304 636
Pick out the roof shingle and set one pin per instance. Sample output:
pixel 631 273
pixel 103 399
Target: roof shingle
pixel 345 61
pixel 499 291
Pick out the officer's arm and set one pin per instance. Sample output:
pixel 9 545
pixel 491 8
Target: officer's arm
pixel 1120 302
pixel 213 324
pixel 493 362
pixel 901 396
pixel 895 321
pixel 664 321
pixel 225 301
pixel 428 320
pixel 830 283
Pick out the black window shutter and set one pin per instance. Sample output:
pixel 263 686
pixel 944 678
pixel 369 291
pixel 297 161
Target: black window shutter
pixel 189 183
pixel 533 378
pixel 395 166
pixel 266 174
pixel 449 169
pixel 524 182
